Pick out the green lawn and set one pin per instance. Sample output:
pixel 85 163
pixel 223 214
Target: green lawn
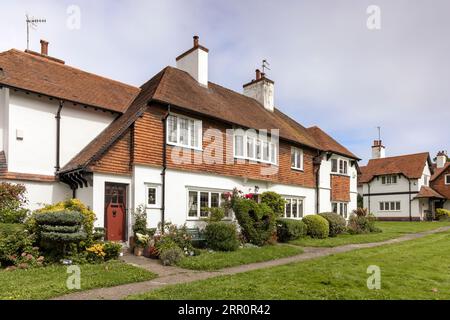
pixel 417 269
pixel 219 260
pixel 390 230
pixel 48 282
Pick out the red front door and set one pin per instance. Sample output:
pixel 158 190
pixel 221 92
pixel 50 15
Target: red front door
pixel 115 212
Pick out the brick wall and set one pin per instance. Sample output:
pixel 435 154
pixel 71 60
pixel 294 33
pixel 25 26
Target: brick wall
pixel 148 149
pixel 340 188
pixel 439 184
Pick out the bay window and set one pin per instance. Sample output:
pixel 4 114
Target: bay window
pixel 340 208
pixel 339 166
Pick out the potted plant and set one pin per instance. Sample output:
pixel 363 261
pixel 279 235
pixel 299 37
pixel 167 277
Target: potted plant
pixel 141 241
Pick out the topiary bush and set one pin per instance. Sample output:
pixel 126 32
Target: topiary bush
pixel 74 205
pixel 274 201
pixel 257 221
pixel 221 236
pixel 336 222
pixel 318 227
pixel 290 229
pixel 171 256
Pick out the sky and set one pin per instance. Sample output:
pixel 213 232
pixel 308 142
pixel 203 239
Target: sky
pixel 329 68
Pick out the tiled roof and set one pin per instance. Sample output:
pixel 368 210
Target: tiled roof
pixel 327 143
pixel 38 74
pixel 439 171
pixel 427 192
pixel 411 165
pixel 177 88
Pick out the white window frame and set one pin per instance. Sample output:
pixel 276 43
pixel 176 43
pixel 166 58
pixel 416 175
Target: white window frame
pixel 157 195
pixel 341 208
pixel 300 213
pixel 199 191
pixel 345 166
pixel 256 142
pixel 197 126
pixel 382 206
pixel 447 179
pixel 295 152
pixel 389 178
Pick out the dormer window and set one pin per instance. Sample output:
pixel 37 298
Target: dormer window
pixel 184 132
pixel 389 179
pixel 339 166
pixel 447 179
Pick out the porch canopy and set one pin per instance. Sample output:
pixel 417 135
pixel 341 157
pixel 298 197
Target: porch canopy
pixel 428 193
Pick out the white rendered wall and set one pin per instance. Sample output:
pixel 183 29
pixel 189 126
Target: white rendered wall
pixel 426 172
pixel 41 193
pixel 4 115
pixel 35 117
pixel 196 64
pixel 80 126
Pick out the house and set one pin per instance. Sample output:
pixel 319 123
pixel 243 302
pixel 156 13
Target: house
pixel 406 187
pixel 440 180
pixel 174 145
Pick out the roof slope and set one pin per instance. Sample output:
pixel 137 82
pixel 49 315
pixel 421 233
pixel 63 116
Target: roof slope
pixel 39 74
pixel 327 143
pixel 410 165
pixel 439 171
pixel 177 88
pixel 427 192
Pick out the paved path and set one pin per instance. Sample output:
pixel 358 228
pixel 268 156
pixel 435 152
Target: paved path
pixel 175 275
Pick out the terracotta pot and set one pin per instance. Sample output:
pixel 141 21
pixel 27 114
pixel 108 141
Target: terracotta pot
pixel 138 251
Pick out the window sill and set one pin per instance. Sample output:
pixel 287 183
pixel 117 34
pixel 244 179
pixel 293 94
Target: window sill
pixel 297 169
pixel 340 174
pixel 184 147
pixel 255 160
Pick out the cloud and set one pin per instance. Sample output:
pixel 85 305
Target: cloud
pixel 328 68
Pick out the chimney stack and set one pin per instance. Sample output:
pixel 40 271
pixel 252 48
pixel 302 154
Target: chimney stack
pixel 441 159
pixel 44 47
pixel 195 62
pixel 378 150
pixel 262 90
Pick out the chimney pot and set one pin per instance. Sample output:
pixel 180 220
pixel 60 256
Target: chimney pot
pixel 258 74
pixel 196 41
pixel 44 47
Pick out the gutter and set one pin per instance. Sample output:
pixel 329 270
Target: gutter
pixel 163 173
pixel 409 183
pixel 317 161
pixel 368 196
pixel 58 136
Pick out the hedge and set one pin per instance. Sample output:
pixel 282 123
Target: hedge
pixel 336 222
pixel 290 229
pixel 221 236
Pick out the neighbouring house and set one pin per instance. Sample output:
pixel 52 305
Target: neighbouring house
pixel 406 187
pixel 174 145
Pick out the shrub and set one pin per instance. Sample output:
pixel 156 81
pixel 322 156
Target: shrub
pixel 336 222
pixel 179 235
pixel 215 214
pixel 221 236
pixel 140 220
pixel 318 227
pixel 12 201
pixel 112 250
pixel 60 218
pixel 96 253
pixel 442 214
pixel 88 216
pixel 274 201
pixel 290 229
pixel 171 256
pixel 257 221
pixel 362 224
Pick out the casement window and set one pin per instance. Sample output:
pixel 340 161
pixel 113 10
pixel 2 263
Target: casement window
pixel 339 166
pixel 447 179
pixel 251 147
pixel 293 208
pixel 390 206
pixel 152 193
pixel 389 179
pixel 340 208
pixel 426 179
pixel 184 132
pixel 200 200
pixel 296 158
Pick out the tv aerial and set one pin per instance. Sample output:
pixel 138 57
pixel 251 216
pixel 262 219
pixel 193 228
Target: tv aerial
pixel 32 23
pixel 265 66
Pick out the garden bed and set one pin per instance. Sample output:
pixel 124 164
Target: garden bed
pixel 218 260
pixel 49 282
